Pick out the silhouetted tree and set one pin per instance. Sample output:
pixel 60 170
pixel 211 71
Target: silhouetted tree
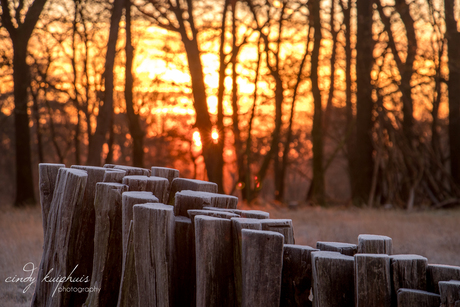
pixel 20 27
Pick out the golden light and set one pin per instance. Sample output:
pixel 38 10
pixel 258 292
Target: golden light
pixel 196 139
pixel 215 136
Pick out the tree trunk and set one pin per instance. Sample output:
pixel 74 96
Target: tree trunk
pixel 212 152
pixel 20 35
pixel 361 173
pixel 317 189
pixel 453 46
pixel 134 125
pixel 105 109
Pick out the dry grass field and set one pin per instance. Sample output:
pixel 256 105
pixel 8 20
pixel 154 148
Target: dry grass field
pixel 433 234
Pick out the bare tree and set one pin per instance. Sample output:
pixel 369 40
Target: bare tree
pixel 453 46
pixel 20 27
pixel 361 170
pixel 106 108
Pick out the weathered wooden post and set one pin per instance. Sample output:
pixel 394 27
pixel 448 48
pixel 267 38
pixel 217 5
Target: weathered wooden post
pixel 157 185
pixel 374 244
pixel 239 224
pixel 47 181
pixel 168 173
pixel 372 280
pixel 214 262
pixel 128 289
pixel 333 279
pixel 128 295
pixel 408 271
pixel 296 276
pixel 114 175
pixel 219 214
pixel 439 272
pixel 153 244
pixel 130 199
pixel 450 293
pixel 108 256
pixel 419 298
pixel 187 199
pixel 184 271
pixel 132 170
pixel 343 248
pixel 262 262
pixel 249 214
pixel 63 217
pixel 283 226
pixel 180 184
pixel 164 172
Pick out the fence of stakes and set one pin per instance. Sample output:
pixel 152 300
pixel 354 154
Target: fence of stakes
pixel 126 236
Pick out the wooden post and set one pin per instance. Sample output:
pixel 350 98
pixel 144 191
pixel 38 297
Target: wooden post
pixel 239 224
pixel 333 279
pixel 373 244
pixel 408 271
pixel 84 232
pixel 131 170
pixel 59 243
pixel 372 280
pixel 157 185
pixel 180 184
pixel 187 199
pixel 128 295
pixel 164 172
pixel 153 245
pixel 249 214
pixel 262 262
pixel 214 262
pixel 184 272
pixel 283 226
pixel 168 173
pixel 438 272
pixel 47 181
pixel 129 200
pixel 114 175
pixel 296 276
pixel 450 293
pixel 419 298
pixel 108 257
pixel 343 248
pixel 219 214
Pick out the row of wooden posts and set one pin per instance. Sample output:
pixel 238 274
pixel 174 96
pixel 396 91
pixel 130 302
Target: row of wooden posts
pixel 126 236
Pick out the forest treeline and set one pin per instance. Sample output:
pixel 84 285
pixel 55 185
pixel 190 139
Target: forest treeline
pixel 293 99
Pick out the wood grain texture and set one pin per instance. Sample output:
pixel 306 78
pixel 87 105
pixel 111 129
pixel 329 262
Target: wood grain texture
pixel 374 244
pixel 419 298
pixel 372 280
pixel 180 184
pixel 238 224
pixel 333 279
pixel 283 226
pixel 128 295
pixel 214 262
pixel 47 173
pixel 153 245
pixel 450 293
pixel 262 262
pixel 407 271
pixel 108 256
pixel 343 248
pixel 60 243
pixel 157 185
pixel 439 272
pixel 296 276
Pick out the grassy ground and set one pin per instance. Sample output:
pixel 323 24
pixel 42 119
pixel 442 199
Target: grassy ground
pixel 433 234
